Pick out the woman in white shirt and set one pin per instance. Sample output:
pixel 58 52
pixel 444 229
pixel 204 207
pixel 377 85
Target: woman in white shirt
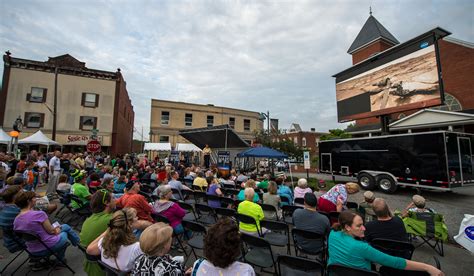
pixel 118 246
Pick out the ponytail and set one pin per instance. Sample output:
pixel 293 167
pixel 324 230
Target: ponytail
pixel 345 218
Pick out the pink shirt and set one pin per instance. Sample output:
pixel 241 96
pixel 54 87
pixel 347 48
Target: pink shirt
pixel 301 192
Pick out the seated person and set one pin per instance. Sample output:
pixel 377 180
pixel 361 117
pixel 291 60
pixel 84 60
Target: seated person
pixel 222 250
pixel 133 199
pixel 302 188
pixel 176 184
pixel 272 198
pixel 369 198
pixel 79 189
pixel 385 226
pixel 309 219
pixel 155 243
pixel 417 205
pixel 346 248
pixel 214 189
pixel 38 223
pixel 94 180
pixel 283 189
pixel 200 181
pixel 119 186
pixel 170 210
pixel 63 183
pixel 117 246
pixel 7 216
pixel 264 183
pixel 249 184
pixel 249 208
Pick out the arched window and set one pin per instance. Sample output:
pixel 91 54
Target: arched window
pixel 303 142
pixel 450 104
pixel 296 140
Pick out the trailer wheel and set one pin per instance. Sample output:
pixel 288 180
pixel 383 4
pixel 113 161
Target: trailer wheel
pixel 386 184
pixel 366 180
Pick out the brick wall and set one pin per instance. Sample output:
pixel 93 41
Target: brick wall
pixel 124 117
pixel 364 53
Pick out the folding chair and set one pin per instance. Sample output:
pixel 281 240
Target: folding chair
pixel 199 197
pixel 197 240
pixel 188 182
pixel 232 192
pixel 191 214
pixel 352 205
pixel 228 202
pixel 279 234
pixel 160 218
pixel 341 270
pixel 225 212
pixel 65 199
pixel 20 248
pixel 213 198
pixel 148 189
pixel 297 266
pixel 205 214
pixel 300 236
pixel 177 194
pixel 388 271
pixel 187 194
pixel 270 212
pixel 394 248
pixel 258 252
pixel 110 271
pixel 83 212
pixel 248 220
pixel 29 236
pixel 325 214
pixel 285 200
pixel 287 211
pixel 333 217
pixel 197 188
pixel 299 201
pixel 430 227
pixel 147 196
pixel 228 186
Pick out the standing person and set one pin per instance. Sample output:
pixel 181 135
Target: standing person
pixel 80 162
pixel 65 163
pixel 42 168
pixel 20 168
pixel 54 172
pixel 207 156
pixel 347 248
pixel 12 163
pixel 89 163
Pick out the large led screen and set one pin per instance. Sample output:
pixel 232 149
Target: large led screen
pixel 403 79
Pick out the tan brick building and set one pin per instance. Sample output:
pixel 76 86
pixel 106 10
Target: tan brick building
pixel 86 99
pixel 168 118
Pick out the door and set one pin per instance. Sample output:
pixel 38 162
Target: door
pixel 465 159
pixel 326 163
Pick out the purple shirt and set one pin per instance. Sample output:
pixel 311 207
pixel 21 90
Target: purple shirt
pixel 32 221
pixel 212 191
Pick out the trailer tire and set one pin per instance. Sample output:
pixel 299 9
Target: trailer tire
pixel 366 181
pixel 386 184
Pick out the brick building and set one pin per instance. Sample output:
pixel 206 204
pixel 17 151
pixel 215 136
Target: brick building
pixel 308 140
pixel 457 65
pixel 67 101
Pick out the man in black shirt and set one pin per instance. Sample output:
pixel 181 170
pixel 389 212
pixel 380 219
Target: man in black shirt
pixel 386 226
pixel 65 163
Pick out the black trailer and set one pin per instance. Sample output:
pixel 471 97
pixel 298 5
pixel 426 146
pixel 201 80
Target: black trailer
pixel 440 160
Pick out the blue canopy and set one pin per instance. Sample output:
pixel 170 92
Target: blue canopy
pixel 262 152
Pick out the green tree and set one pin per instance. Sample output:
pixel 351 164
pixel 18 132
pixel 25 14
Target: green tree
pixel 270 140
pixel 336 134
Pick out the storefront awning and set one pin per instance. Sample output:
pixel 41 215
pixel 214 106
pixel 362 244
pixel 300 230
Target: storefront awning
pixel 216 137
pixel 157 146
pixel 187 147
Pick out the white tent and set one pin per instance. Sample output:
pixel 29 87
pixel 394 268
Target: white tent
pixel 187 147
pixel 157 146
pixel 38 138
pixel 4 137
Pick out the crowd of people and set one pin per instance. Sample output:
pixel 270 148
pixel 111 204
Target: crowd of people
pixel 125 195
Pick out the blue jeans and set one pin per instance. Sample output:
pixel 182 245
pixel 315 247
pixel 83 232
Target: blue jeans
pixel 179 229
pixel 67 233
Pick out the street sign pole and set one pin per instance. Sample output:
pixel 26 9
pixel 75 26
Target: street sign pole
pixel 307 163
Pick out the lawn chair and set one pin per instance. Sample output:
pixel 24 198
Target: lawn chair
pixel 430 227
pixel 297 266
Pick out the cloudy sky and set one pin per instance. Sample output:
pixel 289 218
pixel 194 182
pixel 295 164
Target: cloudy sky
pixel 255 55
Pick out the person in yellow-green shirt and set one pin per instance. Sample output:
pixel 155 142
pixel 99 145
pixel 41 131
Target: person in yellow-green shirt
pixel 80 189
pixel 247 207
pixel 200 181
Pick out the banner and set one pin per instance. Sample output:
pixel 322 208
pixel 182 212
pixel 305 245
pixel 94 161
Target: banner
pixel 307 162
pixel 223 163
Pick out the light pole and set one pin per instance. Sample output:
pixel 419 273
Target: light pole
pixel 266 116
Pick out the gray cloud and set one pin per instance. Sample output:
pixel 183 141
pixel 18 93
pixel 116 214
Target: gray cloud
pixel 256 55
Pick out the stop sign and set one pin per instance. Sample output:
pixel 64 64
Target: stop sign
pixel 93 146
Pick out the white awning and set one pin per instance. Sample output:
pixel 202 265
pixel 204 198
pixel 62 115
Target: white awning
pixel 38 138
pixel 187 147
pixel 157 146
pixel 4 137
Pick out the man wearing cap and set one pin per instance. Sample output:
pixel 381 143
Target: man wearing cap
pixel 309 219
pixel 367 205
pixel 133 199
pixel 417 205
pixel 79 188
pixel 385 226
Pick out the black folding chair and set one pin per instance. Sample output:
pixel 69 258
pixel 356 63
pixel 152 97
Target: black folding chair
pixel 188 196
pixel 299 201
pixel 228 186
pixel 288 211
pixel 83 212
pixel 148 189
pixel 65 199
pixel 333 217
pixel 30 236
pixel 341 270
pixel 227 202
pixel 285 201
pixel 110 271
pixel 394 248
pixel 279 234
pixel 248 220
pixel 388 271
pixel 188 182
pixel 225 212
pixel 147 196
pixel 232 192
pixel 199 197
pixel 303 236
pixel 269 211
pixel 198 188
pixel 197 240
pixel 161 218
pixel 297 266
pixel 213 198
pixel 19 248
pixel 258 252
pixel 352 205
pixel 325 214
pixel 206 214
pixel 177 194
pixel 191 214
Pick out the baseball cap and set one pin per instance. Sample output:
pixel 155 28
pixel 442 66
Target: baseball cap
pixel 310 199
pixel 418 200
pixel 76 174
pixel 369 195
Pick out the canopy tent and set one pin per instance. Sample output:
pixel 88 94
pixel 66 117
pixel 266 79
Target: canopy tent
pixel 38 138
pixel 187 147
pixel 217 137
pixel 262 152
pixel 157 146
pixel 4 137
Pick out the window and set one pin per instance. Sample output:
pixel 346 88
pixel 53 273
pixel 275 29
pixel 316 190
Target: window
pixel 210 120
pixel 317 142
pixel 450 103
pixel 165 117
pixel 37 95
pixel 232 122
pixel 88 123
pixel 188 119
pixel 34 120
pixel 90 100
pixel 295 140
pixel 303 142
pixel 164 139
pixel 246 125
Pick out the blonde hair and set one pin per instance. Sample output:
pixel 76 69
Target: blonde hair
pixel 302 183
pixel 352 187
pixel 154 238
pixel 250 184
pixel 272 188
pixel 120 232
pixel 249 194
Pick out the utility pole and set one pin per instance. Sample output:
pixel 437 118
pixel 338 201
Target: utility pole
pixel 55 108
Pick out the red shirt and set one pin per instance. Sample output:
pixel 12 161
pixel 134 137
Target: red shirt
pixel 161 176
pixel 139 203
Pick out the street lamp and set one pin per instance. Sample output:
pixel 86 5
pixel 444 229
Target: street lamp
pixel 264 116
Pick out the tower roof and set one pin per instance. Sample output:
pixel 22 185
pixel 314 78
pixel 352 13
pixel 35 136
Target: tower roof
pixel 371 31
